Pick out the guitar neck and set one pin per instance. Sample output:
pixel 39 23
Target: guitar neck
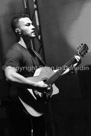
pixel 57 74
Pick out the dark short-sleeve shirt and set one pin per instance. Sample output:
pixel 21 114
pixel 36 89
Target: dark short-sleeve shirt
pixel 26 63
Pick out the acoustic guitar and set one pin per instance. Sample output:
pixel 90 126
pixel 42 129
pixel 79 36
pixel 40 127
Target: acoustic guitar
pixel 48 75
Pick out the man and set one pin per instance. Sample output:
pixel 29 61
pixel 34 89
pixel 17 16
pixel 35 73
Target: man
pixel 29 102
pixel 21 62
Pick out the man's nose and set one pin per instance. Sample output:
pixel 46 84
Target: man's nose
pixel 33 26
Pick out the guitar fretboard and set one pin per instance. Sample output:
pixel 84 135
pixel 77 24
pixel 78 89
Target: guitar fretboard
pixel 57 74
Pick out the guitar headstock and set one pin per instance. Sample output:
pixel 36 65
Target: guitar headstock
pixel 82 49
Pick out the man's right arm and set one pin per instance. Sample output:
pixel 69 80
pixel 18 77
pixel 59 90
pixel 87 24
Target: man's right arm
pixel 12 75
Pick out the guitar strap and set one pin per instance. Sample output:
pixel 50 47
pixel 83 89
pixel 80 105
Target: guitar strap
pixel 39 57
pixel 31 49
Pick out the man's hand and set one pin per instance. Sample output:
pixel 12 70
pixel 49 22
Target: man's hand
pixel 41 84
pixel 78 60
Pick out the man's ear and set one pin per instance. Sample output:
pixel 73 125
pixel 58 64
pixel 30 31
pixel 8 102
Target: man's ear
pixel 17 30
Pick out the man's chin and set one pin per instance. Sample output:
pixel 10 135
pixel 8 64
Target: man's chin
pixel 33 36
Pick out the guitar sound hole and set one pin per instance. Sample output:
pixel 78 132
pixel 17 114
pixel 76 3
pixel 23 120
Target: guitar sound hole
pixel 45 80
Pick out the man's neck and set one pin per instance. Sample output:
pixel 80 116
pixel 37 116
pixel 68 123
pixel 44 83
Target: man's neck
pixel 25 41
pixel 22 43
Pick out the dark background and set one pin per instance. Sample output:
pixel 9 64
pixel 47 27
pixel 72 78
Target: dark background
pixel 65 24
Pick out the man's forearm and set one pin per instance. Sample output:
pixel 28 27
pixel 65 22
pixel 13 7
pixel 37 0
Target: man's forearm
pixel 13 76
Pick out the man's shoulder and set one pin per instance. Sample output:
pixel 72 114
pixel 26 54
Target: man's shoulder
pixel 15 48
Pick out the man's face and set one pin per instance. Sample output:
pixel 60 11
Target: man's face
pixel 26 27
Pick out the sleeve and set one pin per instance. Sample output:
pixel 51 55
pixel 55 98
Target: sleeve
pixel 12 58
